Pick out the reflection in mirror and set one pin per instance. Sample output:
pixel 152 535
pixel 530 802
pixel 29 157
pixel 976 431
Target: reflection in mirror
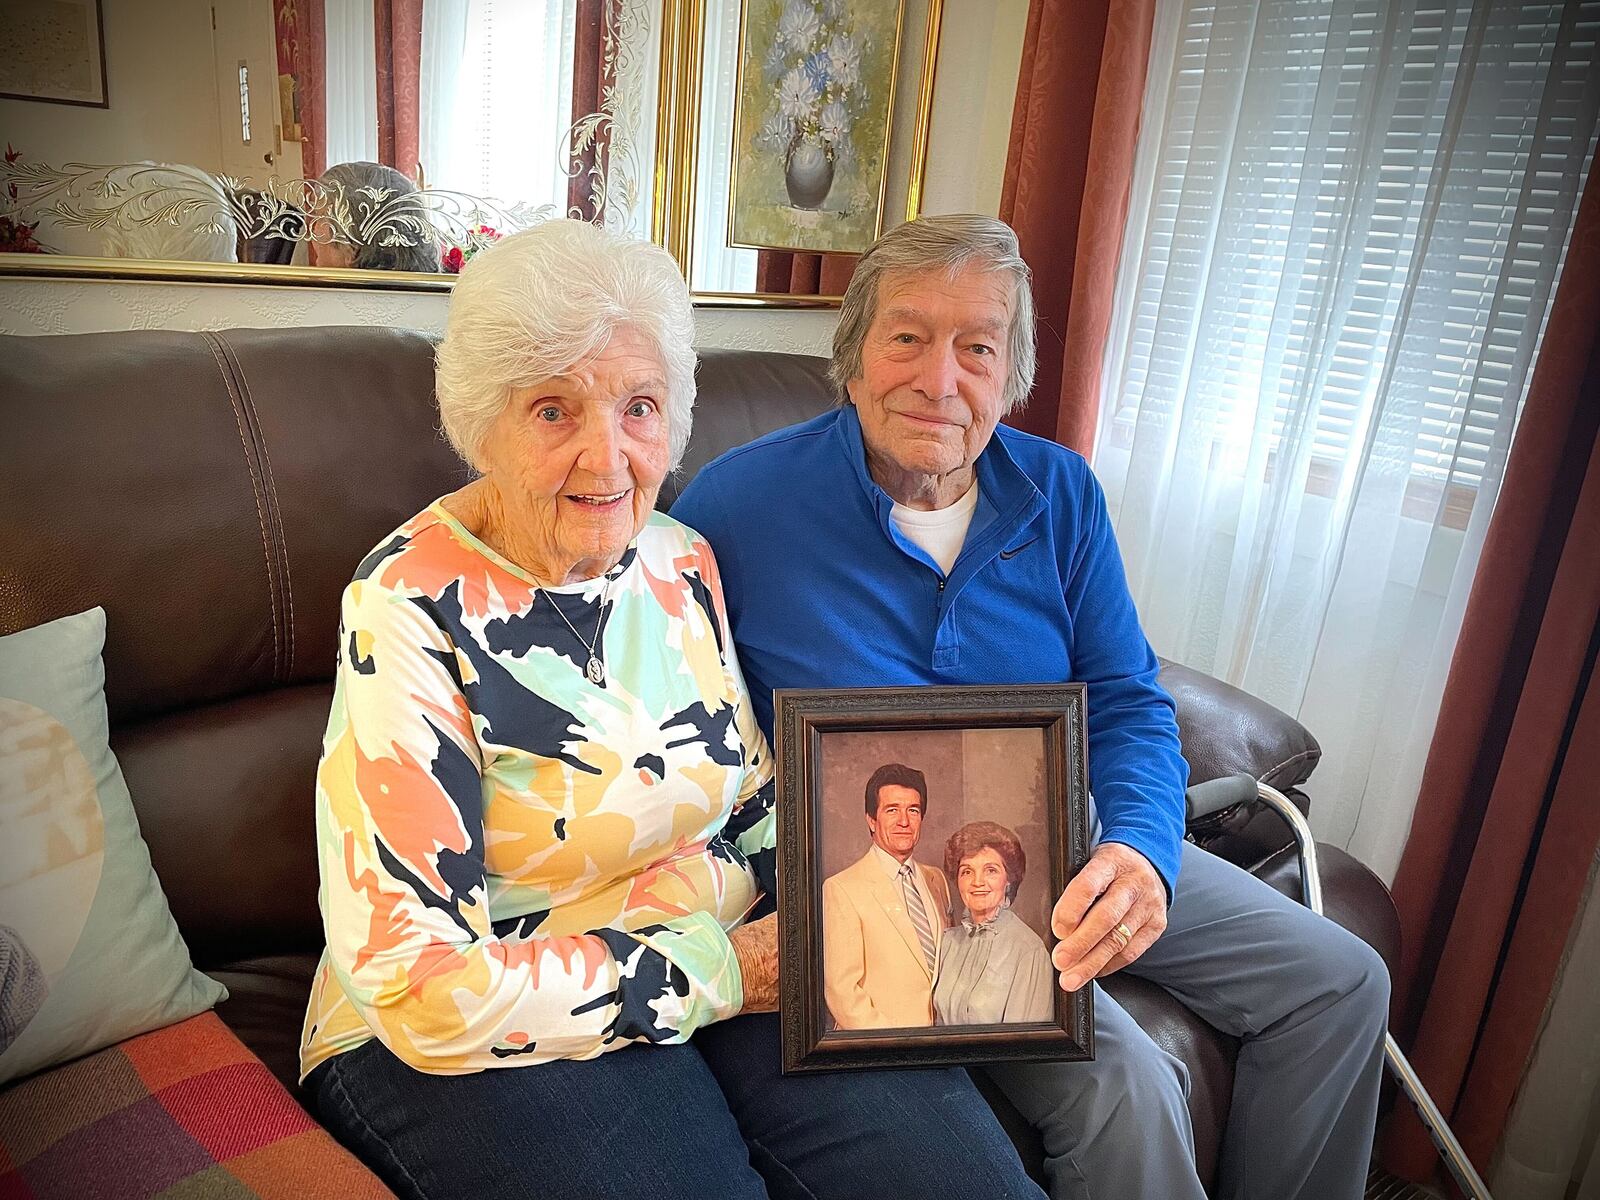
pixel 817 56
pixel 395 135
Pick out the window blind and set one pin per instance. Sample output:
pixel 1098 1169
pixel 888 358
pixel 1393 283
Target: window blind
pixel 1349 223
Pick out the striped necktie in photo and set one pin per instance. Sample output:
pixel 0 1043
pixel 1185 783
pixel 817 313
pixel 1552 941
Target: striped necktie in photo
pixel 919 913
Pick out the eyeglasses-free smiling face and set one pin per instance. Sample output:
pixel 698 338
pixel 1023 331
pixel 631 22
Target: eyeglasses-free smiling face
pixel 576 461
pixel 981 880
pixel 898 826
pixel 932 385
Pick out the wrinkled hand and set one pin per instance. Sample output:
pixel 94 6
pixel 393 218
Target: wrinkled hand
pixel 1117 886
pixel 756 947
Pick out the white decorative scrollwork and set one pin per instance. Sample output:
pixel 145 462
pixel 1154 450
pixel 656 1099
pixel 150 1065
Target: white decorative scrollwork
pixel 616 177
pixel 124 197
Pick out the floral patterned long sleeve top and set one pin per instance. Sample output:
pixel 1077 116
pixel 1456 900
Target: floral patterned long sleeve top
pixel 519 864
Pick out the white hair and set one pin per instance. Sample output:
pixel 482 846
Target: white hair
pixel 948 244
pixel 179 213
pixel 538 302
pixel 388 229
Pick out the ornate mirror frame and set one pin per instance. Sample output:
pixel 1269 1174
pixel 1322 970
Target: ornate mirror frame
pixel 671 218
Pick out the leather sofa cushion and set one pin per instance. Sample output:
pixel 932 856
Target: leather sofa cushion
pixel 741 396
pixel 263 465
pixel 224 794
pixel 266 1006
pixel 1226 731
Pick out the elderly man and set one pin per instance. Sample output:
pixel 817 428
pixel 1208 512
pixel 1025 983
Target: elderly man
pixel 386 226
pixel 884 914
pixel 907 538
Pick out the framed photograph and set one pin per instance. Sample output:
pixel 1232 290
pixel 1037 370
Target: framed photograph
pixel 926 835
pixel 811 134
pixel 53 50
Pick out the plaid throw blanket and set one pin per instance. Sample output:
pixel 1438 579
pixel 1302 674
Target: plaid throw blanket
pixel 185 1113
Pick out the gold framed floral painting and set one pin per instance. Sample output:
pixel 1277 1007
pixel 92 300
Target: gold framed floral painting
pixel 811 138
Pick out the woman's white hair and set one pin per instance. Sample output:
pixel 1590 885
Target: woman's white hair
pixel 538 302
pixel 178 213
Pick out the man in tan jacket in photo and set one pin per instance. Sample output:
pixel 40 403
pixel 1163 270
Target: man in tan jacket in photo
pixel 883 914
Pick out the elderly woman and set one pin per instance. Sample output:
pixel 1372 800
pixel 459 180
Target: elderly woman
pixel 544 807
pixel 992 967
pixel 175 213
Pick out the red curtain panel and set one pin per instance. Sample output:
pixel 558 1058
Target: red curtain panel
pixel 1507 826
pixel 1068 171
pixel 591 77
pixel 301 34
pixel 804 274
pixel 397 38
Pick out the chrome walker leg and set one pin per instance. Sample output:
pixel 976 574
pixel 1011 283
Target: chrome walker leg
pixel 1455 1158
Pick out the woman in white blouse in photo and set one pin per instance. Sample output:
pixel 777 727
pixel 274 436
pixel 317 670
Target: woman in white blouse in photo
pixel 992 966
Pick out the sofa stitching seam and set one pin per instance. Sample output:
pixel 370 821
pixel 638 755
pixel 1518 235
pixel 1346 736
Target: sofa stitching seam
pixel 272 504
pixel 215 344
pixel 1297 757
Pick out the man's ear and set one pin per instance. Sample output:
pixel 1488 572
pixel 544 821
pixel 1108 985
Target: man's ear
pixel 850 388
pixel 330 254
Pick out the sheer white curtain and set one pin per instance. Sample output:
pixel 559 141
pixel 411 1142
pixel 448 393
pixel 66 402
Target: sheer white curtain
pixel 497 126
pixel 715 266
pixel 1348 219
pixel 352 81
pixel 444 38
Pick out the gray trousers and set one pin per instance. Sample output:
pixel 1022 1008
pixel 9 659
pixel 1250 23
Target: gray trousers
pixel 1309 1002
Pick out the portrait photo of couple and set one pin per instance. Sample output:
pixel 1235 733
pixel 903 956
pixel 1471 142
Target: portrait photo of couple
pixel 928 918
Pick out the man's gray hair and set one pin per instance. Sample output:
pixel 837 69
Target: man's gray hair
pixel 538 302
pixel 418 248
pixel 947 244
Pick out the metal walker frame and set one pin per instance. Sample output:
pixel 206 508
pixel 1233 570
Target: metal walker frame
pixel 1206 799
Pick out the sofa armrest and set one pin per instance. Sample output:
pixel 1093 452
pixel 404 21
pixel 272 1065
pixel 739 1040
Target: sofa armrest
pixel 1229 732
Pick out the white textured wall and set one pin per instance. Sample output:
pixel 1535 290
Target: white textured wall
pixel 980 53
pixel 35 306
pixel 980 49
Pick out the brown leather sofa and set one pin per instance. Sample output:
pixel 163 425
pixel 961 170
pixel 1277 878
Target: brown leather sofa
pixel 214 491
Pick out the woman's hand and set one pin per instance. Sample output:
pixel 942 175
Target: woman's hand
pixel 756 947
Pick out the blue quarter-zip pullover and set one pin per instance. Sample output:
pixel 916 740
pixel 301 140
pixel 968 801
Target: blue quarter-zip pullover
pixel 823 591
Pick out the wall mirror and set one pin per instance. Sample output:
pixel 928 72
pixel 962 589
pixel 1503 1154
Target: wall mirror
pixel 810 139
pixel 359 142
pixel 381 143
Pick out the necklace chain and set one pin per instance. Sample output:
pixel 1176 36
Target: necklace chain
pixel 595 668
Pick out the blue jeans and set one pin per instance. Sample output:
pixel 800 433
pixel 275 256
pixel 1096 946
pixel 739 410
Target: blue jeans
pixel 712 1118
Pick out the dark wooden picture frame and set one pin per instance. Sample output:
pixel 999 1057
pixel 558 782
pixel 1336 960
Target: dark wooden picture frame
pixel 804 719
pixel 94 94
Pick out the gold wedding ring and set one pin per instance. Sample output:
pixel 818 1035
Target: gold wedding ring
pixel 1123 934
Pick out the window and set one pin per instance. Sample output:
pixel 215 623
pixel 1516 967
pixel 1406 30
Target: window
pixel 1343 241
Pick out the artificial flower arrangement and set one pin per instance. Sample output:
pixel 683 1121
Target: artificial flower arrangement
pixel 457 257
pixel 17 236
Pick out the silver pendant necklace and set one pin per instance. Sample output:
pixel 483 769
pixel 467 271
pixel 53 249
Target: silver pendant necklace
pixel 594 669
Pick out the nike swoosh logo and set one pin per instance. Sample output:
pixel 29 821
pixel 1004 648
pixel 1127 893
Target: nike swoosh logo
pixel 1016 550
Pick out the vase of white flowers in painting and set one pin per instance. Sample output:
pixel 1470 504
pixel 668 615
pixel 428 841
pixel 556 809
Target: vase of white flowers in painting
pixel 813 65
pixel 808 172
